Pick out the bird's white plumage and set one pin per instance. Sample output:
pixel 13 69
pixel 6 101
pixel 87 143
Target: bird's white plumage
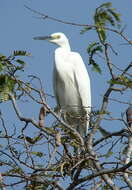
pixel 73 78
pixel 71 84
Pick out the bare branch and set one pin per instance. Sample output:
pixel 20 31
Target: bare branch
pixel 122 133
pixel 1 183
pixel 129 148
pixel 103 171
pixel 44 16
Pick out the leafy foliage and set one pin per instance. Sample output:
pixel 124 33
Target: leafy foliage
pixel 122 80
pixel 93 49
pixel 85 29
pixel 7 85
pixel 9 66
pixel 20 53
pixel 39 154
pixel 105 15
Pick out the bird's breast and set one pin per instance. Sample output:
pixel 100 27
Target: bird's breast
pixel 64 85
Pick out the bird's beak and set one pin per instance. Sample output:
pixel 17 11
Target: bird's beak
pixel 43 38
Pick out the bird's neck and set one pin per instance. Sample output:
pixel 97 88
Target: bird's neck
pixel 65 46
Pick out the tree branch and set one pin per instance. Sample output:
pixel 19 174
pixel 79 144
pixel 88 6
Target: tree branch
pixel 109 64
pixel 44 16
pixel 128 154
pixel 29 120
pixel 123 133
pixel 102 172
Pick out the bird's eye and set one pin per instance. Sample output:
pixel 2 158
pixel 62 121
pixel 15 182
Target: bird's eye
pixel 56 36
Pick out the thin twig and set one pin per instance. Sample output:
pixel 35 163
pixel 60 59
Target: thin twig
pixel 44 16
pixel 108 60
pixel 122 133
pixel 128 156
pixel 29 120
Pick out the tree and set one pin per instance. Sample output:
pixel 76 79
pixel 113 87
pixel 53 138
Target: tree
pixel 47 158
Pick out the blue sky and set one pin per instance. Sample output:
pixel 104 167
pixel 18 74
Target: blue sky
pixel 19 26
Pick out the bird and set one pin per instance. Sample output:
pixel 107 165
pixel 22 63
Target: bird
pixel 71 84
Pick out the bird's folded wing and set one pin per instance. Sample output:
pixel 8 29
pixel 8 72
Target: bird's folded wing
pixel 82 80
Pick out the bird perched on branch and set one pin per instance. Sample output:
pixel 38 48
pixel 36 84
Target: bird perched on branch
pixel 71 84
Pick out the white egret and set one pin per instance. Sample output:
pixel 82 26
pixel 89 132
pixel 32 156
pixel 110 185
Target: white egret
pixel 71 84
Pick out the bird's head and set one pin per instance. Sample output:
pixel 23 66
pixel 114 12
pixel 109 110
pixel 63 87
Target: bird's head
pixel 57 38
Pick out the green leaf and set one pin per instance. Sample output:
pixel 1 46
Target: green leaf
pixel 21 62
pixel 105 15
pixel 98 112
pixel 21 53
pixel 7 85
pixel 4 94
pixel 30 140
pixel 50 130
pixel 38 154
pixel 15 170
pixel 85 29
pixel 96 50
pixel 2 57
pixel 102 34
pixel 97 68
pixel 92 50
pixel 109 19
pixel 105 5
pixel 91 46
pixel 115 15
pixel 109 153
pixel 122 80
pixel 1 66
pixel 33 140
